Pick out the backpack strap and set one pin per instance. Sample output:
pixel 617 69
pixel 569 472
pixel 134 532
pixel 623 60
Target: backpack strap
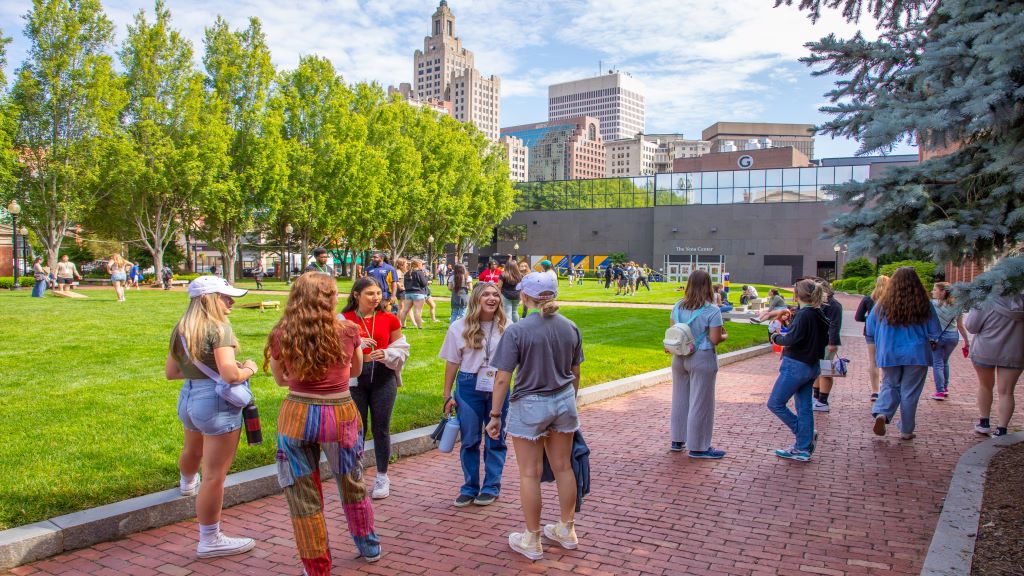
pixel 694 314
pixel 198 364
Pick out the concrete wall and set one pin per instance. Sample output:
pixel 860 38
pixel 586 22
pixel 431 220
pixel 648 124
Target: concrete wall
pixel 745 234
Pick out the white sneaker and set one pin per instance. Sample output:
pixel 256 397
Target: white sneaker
pixel 985 430
pixel 562 534
pixel 381 487
pixel 526 543
pixel 190 488
pixel 820 406
pixel 223 545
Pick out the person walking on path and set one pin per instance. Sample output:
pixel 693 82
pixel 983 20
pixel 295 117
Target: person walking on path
pixel 468 347
pixel 952 323
pixel 167 275
pixel 134 275
pixel 545 351
pixel 257 274
pixel 377 385
pixel 864 308
pixel 510 279
pixel 41 276
pixel 312 352
pixel 203 351
pixel 997 353
pixel 459 283
pixel 117 267
pixel 834 312
pixel 415 294
pixel 804 345
pixel 693 376
pixel 905 327
pixel 66 274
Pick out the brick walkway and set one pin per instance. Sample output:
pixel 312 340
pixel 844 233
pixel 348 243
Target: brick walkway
pixel 865 505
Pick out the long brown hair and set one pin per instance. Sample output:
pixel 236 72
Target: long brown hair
pixel 511 275
pixel 698 290
pixel 357 289
pixel 905 302
pixel 309 336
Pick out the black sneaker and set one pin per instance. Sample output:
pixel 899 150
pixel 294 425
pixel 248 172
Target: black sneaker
pixel 484 499
pixel 463 500
pixel 678 446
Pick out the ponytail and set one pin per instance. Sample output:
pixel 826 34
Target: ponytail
pixel 810 292
pixel 548 308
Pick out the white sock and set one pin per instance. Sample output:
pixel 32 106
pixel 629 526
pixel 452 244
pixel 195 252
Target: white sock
pixel 208 533
pixel 186 479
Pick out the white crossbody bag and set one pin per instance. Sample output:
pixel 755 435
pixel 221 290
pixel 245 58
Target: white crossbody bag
pixel 239 395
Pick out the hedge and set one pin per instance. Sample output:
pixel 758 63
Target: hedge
pixel 859 268
pixel 925 270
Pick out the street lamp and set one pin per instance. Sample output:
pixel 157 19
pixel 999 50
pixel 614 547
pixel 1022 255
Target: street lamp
pixel 14 209
pixel 287 256
pixel 430 255
pixel 837 249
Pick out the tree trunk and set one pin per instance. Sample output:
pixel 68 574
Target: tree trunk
pixel 158 264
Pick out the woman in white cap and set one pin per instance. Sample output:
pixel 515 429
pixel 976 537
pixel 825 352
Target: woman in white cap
pixel 202 352
pixel 545 350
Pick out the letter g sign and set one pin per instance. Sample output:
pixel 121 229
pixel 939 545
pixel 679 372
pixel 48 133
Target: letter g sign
pixel 745 161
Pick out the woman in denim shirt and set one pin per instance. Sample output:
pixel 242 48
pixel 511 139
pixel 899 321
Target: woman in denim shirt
pixel 905 327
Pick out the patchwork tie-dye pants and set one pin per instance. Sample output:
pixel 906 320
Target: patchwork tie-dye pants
pixel 304 427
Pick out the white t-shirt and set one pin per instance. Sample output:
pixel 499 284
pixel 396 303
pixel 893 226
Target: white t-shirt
pixel 470 360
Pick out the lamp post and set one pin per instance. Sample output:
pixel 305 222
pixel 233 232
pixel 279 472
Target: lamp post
pixel 14 209
pixel 287 254
pixel 515 251
pixel 837 249
pixel 430 256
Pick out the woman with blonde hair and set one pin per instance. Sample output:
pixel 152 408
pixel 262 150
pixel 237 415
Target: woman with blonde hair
pixel 951 319
pixel 313 353
pixel 415 295
pixel 867 303
pixel 203 349
pixel 117 267
pixel 468 347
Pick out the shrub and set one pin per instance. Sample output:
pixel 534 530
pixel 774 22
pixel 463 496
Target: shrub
pixel 925 270
pixel 866 285
pixel 859 268
pixel 8 281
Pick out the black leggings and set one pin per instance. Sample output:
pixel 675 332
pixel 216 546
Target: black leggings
pixel 376 394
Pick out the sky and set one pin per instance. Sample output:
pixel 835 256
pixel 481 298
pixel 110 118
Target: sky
pixel 701 61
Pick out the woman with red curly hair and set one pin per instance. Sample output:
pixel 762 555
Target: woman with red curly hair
pixel 313 352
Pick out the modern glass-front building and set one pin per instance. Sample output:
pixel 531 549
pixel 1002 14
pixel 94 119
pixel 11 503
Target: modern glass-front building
pixel 763 225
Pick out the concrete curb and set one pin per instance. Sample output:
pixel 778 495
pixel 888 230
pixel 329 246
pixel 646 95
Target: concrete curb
pixel 32 542
pixel 952 548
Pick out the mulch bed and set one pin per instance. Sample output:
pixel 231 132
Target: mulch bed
pixel 999 550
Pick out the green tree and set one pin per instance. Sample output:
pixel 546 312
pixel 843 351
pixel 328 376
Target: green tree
pixel 489 198
pixel 947 75
pixel 8 116
pixel 245 194
pixel 68 99
pixel 170 153
pixel 858 268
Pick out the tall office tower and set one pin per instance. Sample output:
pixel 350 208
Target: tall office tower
pixel 518 158
pixel 736 136
pixel 444 71
pixel 615 98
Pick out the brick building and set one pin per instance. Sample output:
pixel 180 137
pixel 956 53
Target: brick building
pixel 787 157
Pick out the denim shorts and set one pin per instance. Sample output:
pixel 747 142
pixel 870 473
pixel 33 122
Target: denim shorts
pixel 118 277
pixel 415 297
pixel 531 416
pixel 200 409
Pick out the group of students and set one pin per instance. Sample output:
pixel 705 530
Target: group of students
pixel 343 371
pixel 627 277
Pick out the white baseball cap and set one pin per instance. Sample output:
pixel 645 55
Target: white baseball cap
pixel 539 285
pixel 213 285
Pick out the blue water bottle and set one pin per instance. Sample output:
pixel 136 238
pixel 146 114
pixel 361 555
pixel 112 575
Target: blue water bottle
pixel 451 431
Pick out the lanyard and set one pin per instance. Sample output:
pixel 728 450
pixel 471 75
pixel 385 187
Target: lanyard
pixel 487 345
pixel 373 324
pixel 321 269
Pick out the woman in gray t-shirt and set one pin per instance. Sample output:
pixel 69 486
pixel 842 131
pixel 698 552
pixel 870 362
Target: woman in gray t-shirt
pixel 545 351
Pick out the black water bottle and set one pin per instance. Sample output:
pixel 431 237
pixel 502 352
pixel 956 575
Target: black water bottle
pixel 251 419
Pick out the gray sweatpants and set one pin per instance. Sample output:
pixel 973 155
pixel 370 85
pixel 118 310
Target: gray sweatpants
pixel 693 399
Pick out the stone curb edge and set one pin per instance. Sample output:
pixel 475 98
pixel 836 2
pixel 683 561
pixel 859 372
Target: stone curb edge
pixel 24 544
pixel 952 549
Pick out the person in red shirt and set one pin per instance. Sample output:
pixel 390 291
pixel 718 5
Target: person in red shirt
pixel 492 274
pixel 376 387
pixel 312 352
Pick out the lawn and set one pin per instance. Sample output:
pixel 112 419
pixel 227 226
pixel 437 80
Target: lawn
pixel 89 419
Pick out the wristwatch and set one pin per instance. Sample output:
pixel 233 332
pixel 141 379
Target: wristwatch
pixel 493 415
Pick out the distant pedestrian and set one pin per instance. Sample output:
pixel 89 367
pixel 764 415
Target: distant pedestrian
pixel 643 279
pixel 459 283
pixel 607 276
pixel 492 273
pixel 117 267
pixel 468 347
pixel 386 278
pixel 693 377
pixel 804 346
pixel 134 275
pixel 313 352
pixel 66 274
pixel 203 351
pixel 40 275
pixel 509 286
pixel 545 351
pixel 415 295
pixel 904 326
pixel 321 263
pixel 167 276
pixel 952 323
pixel 257 274
pixel 997 353
pixel 867 304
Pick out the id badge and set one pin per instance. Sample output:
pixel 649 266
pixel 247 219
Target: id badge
pixel 485 379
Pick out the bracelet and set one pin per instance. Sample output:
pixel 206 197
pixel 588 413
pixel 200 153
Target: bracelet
pixel 493 415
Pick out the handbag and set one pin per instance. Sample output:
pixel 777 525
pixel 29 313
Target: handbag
pixel 833 368
pixel 239 395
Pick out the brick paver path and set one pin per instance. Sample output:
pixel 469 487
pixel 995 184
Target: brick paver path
pixel 864 505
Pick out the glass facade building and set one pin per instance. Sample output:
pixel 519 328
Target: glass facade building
pixel 681 189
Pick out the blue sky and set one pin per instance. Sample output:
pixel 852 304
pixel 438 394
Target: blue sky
pixel 701 61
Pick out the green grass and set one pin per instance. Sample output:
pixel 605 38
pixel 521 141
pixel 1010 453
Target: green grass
pixel 89 419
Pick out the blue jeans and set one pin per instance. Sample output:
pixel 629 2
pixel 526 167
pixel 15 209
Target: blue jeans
pixel 457 312
pixel 940 359
pixel 39 289
pixel 474 408
pixel 901 388
pixel 796 379
pixel 511 308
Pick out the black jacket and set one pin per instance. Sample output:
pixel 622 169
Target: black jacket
pixel 863 309
pixel 834 314
pixel 580 467
pixel 807 336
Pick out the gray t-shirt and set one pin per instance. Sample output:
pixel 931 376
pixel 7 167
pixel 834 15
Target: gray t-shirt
pixel 542 351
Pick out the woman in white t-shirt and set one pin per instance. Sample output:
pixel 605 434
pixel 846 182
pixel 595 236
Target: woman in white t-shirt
pixel 468 348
